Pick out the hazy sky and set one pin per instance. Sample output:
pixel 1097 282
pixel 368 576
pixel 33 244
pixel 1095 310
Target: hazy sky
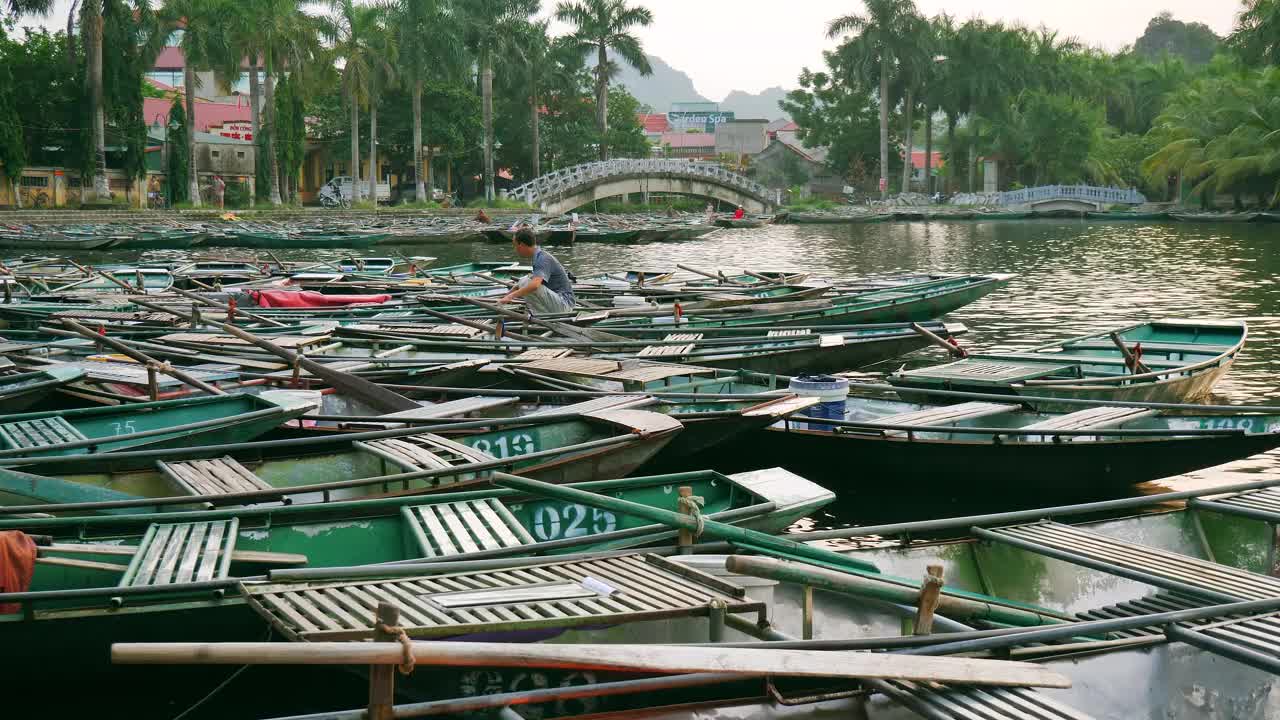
pixel 753 44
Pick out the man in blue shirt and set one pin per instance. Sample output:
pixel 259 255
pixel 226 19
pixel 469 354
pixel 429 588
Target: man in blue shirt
pixel 547 290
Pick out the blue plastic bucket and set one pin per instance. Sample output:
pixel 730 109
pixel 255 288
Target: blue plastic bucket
pixel 831 390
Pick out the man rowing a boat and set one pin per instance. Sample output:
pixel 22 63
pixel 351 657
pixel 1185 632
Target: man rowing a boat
pixel 547 290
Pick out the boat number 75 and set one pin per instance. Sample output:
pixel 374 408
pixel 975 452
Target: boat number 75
pixel 124 428
pixel 552 522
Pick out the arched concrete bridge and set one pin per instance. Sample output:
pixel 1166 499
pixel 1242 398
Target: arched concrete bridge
pixel 1071 197
pixel 564 190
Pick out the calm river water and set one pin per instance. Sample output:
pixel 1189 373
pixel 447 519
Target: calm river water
pixel 1073 277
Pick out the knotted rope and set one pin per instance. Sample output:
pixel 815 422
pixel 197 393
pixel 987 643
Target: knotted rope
pixel 406 645
pixel 692 505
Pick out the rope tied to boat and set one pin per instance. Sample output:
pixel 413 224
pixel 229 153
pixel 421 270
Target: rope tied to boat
pixel 692 505
pixel 406 645
pixel 161 366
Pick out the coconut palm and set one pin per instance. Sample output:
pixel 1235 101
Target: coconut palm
pixel 489 28
pixel 602 26
pixel 429 45
pixel 1257 32
pixel 915 69
pixel 884 33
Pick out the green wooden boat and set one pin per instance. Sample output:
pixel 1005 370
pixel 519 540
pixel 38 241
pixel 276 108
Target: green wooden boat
pixel 469 268
pixel 93 581
pixel 921 301
pixel 301 239
pixel 1214 217
pixel 1010 215
pixel 1181 361
pixel 1128 216
pixel 743 223
pixel 611 442
pixel 991 442
pixel 88 433
pixel 21 391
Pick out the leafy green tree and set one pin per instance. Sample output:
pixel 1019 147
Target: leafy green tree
pixel 625 135
pixel 1257 32
pixel 1194 43
pixel 601 26
pixel 490 29
pixel 831 111
pixel 13 152
pixel 430 48
pixel 883 35
pixel 205 45
pixel 290 134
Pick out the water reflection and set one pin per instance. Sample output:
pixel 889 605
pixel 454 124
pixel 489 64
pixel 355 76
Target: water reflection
pixel 1074 277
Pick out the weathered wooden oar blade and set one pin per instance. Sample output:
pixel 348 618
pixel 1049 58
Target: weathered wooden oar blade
pixel 382 399
pixel 620 658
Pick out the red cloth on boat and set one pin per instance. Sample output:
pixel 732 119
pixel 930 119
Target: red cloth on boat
pixel 308 298
pixel 17 565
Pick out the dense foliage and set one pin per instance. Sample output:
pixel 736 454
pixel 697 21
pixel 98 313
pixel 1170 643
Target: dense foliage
pixel 1166 113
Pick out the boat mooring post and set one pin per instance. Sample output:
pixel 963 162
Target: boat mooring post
pixel 930 596
pixel 382 678
pixel 684 537
pixel 716 612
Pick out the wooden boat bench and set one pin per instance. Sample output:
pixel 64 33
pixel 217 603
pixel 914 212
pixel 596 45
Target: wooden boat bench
pixel 1261 504
pixel 176 553
pixel 423 452
pixel 975 371
pixel 945 414
pixel 216 476
pixel 1168 570
pixel 972 702
pixel 595 592
pixel 454 408
pixel 466 526
pixel 611 402
pixel 1097 418
pixel 39 432
pixel 690 340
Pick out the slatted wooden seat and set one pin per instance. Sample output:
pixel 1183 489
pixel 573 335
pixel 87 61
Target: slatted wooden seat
pixel 423 452
pixel 988 372
pixel 666 350
pixel 217 476
pixel 453 408
pixel 786 333
pixel 969 702
pixel 683 337
pixel 595 592
pixel 465 526
pixel 610 402
pixel 39 432
pixel 1099 418
pixel 543 354
pixel 178 553
pixel 944 415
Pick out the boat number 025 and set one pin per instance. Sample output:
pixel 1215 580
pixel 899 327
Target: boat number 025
pixel 505 446
pixel 555 521
pixel 124 428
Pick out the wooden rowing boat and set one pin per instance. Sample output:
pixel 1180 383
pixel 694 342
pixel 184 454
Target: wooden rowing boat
pixel 1181 360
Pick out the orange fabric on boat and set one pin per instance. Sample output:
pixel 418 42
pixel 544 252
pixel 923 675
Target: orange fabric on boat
pixel 308 298
pixel 17 565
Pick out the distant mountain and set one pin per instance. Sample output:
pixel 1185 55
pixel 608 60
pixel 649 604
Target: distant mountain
pixel 668 85
pixel 761 105
pixel 665 86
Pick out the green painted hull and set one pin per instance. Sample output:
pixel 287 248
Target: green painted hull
pixel 276 240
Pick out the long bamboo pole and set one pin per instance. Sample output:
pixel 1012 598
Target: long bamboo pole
pixel 620 658
pixel 674 519
pixel 164 368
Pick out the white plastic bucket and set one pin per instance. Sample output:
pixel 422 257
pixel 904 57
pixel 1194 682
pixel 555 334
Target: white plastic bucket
pixel 831 391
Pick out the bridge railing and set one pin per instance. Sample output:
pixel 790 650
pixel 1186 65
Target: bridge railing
pixel 1072 192
pixel 571 179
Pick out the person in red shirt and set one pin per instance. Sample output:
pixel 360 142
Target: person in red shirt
pixel 738 214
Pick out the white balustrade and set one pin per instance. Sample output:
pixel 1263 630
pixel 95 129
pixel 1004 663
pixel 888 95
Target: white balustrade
pixel 571 179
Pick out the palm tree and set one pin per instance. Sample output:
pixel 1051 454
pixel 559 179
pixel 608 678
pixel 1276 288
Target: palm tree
pixel 203 45
pixel 380 39
pixel 601 26
pixel 536 50
pixel 915 67
pixel 429 43
pixel 489 29
pixel 1257 32
pixel 884 34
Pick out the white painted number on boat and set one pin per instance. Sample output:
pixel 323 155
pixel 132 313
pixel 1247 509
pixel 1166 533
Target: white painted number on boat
pixel 124 428
pixel 505 446
pixel 1227 423
pixel 553 522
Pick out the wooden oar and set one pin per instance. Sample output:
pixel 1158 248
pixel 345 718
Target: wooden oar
pixel 162 368
pixel 955 350
pixel 618 658
pixel 378 397
pixel 717 277
pixel 1135 365
pixel 571 331
pixel 212 303
pixel 127 287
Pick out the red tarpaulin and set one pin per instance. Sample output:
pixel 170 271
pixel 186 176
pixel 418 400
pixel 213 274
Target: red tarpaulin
pixel 17 565
pixel 310 299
